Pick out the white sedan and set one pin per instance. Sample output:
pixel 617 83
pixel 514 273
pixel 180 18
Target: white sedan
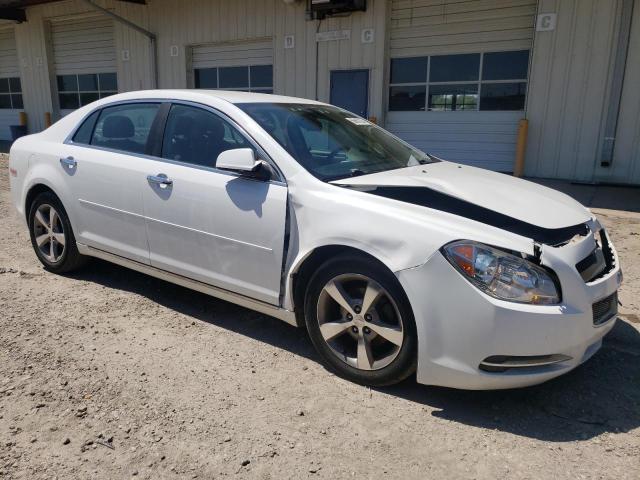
pixel 395 261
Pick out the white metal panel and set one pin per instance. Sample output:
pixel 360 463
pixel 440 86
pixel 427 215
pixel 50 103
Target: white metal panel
pixel 8 68
pixel 8 54
pixel 83 45
pixel 481 139
pixel 424 27
pixel 233 54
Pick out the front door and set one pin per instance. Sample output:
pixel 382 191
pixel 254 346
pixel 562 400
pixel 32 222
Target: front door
pixel 350 90
pixel 209 225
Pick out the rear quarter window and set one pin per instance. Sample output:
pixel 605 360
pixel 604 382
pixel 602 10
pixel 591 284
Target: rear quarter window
pixel 83 134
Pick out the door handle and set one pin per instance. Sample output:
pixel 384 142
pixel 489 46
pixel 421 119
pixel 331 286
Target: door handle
pixel 68 162
pixel 160 179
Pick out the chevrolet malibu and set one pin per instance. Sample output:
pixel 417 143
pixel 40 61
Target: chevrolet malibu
pixel 395 261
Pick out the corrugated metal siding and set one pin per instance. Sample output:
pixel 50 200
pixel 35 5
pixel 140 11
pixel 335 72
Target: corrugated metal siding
pixel 197 22
pixel 8 53
pixel 8 68
pixel 626 161
pixel 568 88
pixel 83 45
pixel 423 27
pixel 36 63
pixel 233 54
pixel 426 27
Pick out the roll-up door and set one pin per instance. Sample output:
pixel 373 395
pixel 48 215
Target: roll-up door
pixel 84 57
pixel 10 85
pixel 246 66
pixel 458 77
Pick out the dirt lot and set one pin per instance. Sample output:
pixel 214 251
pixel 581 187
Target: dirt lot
pixel 111 374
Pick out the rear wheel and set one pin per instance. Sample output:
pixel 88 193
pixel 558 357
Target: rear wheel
pixel 360 321
pixel 51 235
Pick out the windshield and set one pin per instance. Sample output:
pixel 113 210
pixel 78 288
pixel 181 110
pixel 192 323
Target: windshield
pixel 332 143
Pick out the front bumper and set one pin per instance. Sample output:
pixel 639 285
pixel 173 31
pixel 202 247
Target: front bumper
pixel 459 326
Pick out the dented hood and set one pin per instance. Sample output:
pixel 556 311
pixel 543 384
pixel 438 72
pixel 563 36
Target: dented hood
pixel 478 194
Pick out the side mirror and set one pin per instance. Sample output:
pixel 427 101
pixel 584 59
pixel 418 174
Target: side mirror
pixel 243 161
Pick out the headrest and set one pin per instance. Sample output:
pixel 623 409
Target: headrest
pixel 184 125
pixel 215 128
pixel 118 126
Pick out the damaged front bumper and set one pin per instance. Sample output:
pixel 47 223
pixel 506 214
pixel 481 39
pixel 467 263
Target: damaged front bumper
pixel 469 340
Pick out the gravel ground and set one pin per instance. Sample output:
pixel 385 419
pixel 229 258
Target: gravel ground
pixel 110 374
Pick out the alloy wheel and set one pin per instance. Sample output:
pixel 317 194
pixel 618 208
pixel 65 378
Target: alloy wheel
pixel 360 322
pixel 49 233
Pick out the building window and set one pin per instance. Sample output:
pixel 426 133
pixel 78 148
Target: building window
pixel 475 81
pixel 10 93
pixel 504 80
pixel 254 78
pixel 75 91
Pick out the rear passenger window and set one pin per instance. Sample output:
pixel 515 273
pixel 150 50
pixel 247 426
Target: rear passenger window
pixel 125 127
pixel 83 134
pixel 197 136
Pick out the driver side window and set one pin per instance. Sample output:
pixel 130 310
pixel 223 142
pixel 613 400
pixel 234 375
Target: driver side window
pixel 197 136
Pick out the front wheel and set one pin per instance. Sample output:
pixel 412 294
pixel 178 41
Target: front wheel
pixel 360 321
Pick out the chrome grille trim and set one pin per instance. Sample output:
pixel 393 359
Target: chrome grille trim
pixel 502 363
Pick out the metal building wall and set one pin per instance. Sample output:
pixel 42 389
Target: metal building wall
pixel 8 68
pixel 568 89
pixel 35 56
pixel 625 167
pixel 197 22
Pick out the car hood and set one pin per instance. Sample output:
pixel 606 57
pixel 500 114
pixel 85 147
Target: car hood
pixel 502 200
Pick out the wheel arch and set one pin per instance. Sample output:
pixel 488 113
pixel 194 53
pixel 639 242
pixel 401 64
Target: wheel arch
pixel 303 271
pixel 33 191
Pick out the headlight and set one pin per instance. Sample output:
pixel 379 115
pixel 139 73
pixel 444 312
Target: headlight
pixel 502 275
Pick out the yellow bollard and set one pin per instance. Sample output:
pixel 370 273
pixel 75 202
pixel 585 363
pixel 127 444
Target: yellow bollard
pixel 521 147
pixel 47 119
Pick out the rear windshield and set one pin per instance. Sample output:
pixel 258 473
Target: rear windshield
pixel 332 143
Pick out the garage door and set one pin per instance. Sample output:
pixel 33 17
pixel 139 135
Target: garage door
pixel 246 66
pixel 10 85
pixel 458 77
pixel 84 56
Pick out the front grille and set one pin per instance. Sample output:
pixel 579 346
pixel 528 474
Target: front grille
pixel 605 309
pixel 592 266
pixel 599 262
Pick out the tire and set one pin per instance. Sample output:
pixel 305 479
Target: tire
pixel 374 360
pixel 57 250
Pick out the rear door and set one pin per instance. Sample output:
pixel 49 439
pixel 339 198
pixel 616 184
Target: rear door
pixel 105 168
pixel 207 224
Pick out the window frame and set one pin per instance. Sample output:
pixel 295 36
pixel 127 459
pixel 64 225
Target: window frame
pixel 479 83
pixel 78 92
pixel 11 93
pixel 156 137
pixel 248 88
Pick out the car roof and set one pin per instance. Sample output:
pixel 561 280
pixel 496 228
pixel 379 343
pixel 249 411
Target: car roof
pixel 196 95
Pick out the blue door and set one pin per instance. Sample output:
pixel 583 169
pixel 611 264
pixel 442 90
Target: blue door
pixel 350 90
